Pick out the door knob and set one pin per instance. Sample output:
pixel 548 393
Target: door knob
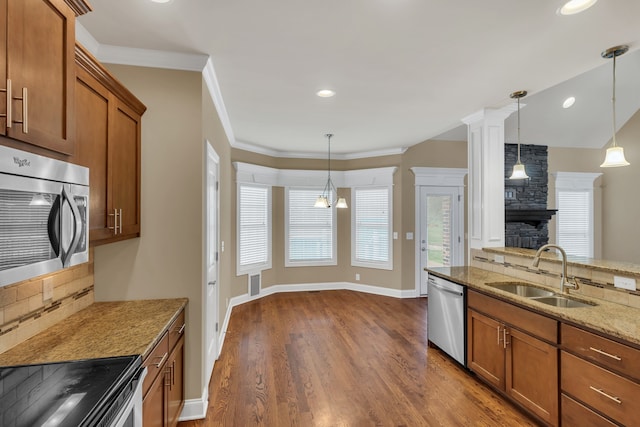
pixel 212 283
pixel 423 249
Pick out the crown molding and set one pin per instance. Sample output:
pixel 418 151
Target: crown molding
pixel 246 146
pixel 211 80
pixel 441 177
pixel 79 7
pixel 575 180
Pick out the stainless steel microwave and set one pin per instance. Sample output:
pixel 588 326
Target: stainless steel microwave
pixel 44 215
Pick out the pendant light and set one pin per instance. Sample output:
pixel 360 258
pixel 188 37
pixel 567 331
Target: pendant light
pixel 325 200
pixel 615 154
pixel 518 168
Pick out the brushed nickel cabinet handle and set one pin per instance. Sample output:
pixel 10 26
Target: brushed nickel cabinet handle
pixel 162 359
pixel 120 220
pixel 498 335
pixel 504 338
pixel 8 114
pixel 181 330
pixel 25 110
pixel 115 227
pixel 608 396
pixel 604 353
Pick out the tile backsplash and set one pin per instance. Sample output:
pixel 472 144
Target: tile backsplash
pixel 29 307
pixel 593 281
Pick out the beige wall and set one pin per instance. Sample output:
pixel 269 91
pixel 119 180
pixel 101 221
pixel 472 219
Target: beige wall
pixel 166 262
pixel 615 194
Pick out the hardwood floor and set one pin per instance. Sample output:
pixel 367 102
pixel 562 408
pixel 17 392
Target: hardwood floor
pixel 343 358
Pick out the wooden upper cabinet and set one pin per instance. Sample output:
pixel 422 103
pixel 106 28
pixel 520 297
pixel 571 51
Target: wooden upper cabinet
pixel 108 130
pixel 39 39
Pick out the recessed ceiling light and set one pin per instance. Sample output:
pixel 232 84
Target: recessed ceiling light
pixel 325 93
pixel 569 102
pixel 161 1
pixel 576 6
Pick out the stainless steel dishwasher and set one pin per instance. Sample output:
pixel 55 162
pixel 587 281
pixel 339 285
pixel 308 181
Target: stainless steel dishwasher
pixel 446 326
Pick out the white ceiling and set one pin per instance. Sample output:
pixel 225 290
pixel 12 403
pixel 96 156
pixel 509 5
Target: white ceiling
pixel 404 70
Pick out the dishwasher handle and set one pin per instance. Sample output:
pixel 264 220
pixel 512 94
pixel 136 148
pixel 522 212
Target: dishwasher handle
pixel 443 289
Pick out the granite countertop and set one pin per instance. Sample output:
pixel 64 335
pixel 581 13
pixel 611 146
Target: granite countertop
pixel 609 318
pixel 104 329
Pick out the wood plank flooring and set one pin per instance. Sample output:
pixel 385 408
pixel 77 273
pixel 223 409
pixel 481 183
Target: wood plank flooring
pixel 343 358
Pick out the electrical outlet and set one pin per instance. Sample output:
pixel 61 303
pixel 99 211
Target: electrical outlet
pixel 357 276
pixel 47 289
pixel 499 258
pixel 222 246
pixel 395 235
pixel 409 236
pixel 624 283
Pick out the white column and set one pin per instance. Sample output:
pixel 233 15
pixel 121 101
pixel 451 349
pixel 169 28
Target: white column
pixel 485 144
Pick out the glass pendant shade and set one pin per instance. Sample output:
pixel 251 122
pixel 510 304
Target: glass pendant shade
pixel 519 172
pixel 614 158
pixel 321 202
pixel 342 203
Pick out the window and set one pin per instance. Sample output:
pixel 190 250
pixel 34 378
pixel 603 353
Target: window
pixel 254 228
pixel 575 216
pixel 310 232
pixel 371 219
pixel 575 229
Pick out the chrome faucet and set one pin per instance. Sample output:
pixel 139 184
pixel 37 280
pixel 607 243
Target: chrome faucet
pixel 564 282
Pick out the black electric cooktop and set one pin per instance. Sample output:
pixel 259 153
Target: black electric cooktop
pixel 65 394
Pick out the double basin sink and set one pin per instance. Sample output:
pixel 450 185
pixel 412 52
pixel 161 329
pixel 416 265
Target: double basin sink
pixel 538 294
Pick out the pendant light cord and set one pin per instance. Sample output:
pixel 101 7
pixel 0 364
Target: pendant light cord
pixel 613 99
pixel 518 130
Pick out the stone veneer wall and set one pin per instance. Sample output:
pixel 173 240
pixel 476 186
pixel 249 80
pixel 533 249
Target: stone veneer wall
pixel 526 194
pixel 24 312
pixel 594 282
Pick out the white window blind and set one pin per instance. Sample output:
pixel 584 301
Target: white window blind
pixel 254 228
pixel 310 232
pixel 371 227
pixel 575 222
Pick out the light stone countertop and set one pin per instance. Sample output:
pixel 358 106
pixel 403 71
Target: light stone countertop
pixel 104 329
pixel 616 320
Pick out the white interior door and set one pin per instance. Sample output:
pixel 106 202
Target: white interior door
pixel 441 227
pixel 211 287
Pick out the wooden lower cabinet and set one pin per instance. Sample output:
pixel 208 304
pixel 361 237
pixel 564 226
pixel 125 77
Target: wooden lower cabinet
pixel 575 414
pixel 163 388
pixel 508 357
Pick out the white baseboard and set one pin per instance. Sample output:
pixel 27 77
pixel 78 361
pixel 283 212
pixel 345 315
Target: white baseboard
pixel 197 408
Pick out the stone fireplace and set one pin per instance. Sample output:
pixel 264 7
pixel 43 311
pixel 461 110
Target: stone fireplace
pixel 526 213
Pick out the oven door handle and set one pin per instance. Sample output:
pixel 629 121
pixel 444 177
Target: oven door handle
pixel 77 227
pixel 443 289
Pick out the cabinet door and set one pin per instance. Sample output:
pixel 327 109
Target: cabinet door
pixel 124 171
pixel 92 100
pixel 532 375
pixel 153 407
pixel 175 400
pixel 40 58
pixel 485 348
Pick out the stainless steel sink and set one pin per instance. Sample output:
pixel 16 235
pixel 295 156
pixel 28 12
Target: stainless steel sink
pixel 521 289
pixel 560 301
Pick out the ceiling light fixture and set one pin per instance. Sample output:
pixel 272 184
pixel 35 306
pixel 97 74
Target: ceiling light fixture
pixel 615 155
pixel 518 168
pixel 326 199
pixel 161 1
pixel 576 6
pixel 325 93
pixel 568 103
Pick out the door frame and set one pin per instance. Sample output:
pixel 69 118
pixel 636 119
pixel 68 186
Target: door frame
pixel 438 177
pixel 209 359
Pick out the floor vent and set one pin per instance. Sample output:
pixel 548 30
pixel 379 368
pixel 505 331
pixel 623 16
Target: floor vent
pixel 254 284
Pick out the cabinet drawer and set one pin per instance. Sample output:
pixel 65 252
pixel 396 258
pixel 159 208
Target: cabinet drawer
pixel 575 414
pixel 155 362
pixel 619 357
pixel 536 324
pixel 601 389
pixel 176 330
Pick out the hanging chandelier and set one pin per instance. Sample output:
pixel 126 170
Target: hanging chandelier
pixel 615 154
pixel 518 168
pixel 326 199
